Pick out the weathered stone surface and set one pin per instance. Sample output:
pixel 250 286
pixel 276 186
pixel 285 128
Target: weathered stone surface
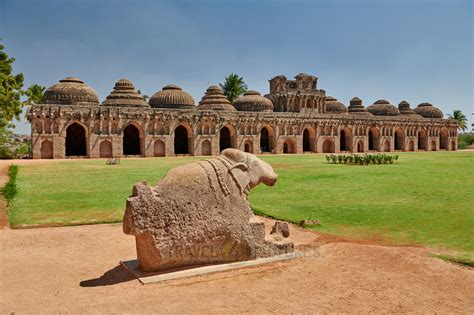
pixel 303 223
pixel 281 228
pixel 199 214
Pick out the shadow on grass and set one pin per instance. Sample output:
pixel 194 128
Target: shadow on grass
pixel 114 276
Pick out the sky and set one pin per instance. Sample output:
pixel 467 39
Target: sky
pixel 418 50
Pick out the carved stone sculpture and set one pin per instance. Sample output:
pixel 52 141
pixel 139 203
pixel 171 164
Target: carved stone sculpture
pixel 199 214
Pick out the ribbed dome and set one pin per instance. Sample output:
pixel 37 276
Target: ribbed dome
pixel 214 99
pixel 253 101
pixel 124 94
pixel 404 108
pixel 428 111
pixel 172 96
pixel 333 106
pixel 71 91
pixel 356 107
pixel 383 108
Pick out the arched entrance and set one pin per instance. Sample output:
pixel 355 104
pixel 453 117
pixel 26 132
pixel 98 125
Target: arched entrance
pixel 453 145
pixel 345 140
pixel 433 145
pixel 288 147
pixel 386 146
pixel 47 149
pixel 248 147
pixel 206 148
pixel 76 140
pixel 374 139
pixel 399 140
pixel 131 140
pixel 265 141
pixel 443 140
pixel 360 146
pixel 422 140
pixel 225 140
pixel 328 146
pixel 306 141
pixel 411 146
pixel 181 145
pixel 105 149
pixel 159 148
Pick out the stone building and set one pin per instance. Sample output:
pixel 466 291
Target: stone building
pixel 295 117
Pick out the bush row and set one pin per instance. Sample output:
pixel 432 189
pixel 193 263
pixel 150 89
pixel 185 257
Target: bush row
pixel 10 190
pixel 8 151
pixel 465 140
pixel 361 159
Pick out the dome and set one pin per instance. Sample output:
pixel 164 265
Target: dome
pixel 71 91
pixel 404 108
pixel 124 94
pixel 214 99
pixel 356 107
pixel 252 101
pixel 383 108
pixel 333 106
pixel 172 96
pixel 428 111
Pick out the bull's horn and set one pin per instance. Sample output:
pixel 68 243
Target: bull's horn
pixel 240 166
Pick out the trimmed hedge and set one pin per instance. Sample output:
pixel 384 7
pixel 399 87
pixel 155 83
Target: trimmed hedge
pixel 361 159
pixel 9 191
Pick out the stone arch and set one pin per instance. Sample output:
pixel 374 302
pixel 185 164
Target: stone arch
pixel 289 146
pixel 159 148
pixel 443 139
pixel 227 137
pixel 182 140
pixel 386 146
pixel 328 146
pixel 345 140
pixel 309 139
pixel 267 139
pixel 132 140
pixel 399 138
pixel 360 146
pixel 453 145
pixel 374 139
pixel 422 140
pixel 433 145
pixel 411 145
pixel 47 149
pixel 206 147
pixel 248 146
pixel 76 143
pixel 105 149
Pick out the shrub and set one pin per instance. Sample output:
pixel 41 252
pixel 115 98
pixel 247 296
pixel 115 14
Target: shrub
pixel 9 191
pixel 359 159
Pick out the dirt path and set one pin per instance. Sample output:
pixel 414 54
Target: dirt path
pixel 75 270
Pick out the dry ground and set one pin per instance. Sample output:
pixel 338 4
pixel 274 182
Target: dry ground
pixel 76 270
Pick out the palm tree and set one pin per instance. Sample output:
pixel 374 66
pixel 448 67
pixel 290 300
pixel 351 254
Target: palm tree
pixel 35 94
pixel 233 87
pixel 145 97
pixel 459 116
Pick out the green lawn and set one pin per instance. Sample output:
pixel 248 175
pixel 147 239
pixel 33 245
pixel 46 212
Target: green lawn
pixel 425 198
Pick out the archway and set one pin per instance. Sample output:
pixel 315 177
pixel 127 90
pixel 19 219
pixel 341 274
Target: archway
pixel 433 145
pixel 443 139
pixel 360 146
pixel 206 148
pixel 105 149
pixel 47 149
pixel 306 141
pixel 265 142
pixel 386 146
pixel 422 140
pixel 181 145
pixel 345 140
pixel 411 146
pixel 288 147
pixel 399 140
pixel 374 139
pixel 248 147
pixel 328 146
pixel 76 140
pixel 159 148
pixel 131 140
pixel 225 140
pixel 453 145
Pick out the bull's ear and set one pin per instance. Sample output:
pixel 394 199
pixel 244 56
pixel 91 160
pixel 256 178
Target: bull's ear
pixel 240 166
pixel 234 155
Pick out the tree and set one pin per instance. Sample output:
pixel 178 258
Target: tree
pixel 145 97
pixel 35 94
pixel 460 117
pixel 233 87
pixel 10 91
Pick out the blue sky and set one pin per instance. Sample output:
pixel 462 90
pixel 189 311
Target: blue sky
pixel 415 50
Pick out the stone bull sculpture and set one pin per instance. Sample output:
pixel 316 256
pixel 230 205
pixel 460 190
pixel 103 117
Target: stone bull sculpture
pixel 199 214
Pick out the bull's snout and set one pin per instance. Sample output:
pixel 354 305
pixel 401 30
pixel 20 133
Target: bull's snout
pixel 270 180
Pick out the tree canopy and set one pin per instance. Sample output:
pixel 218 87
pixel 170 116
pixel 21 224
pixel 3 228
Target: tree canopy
pixel 460 117
pixel 233 87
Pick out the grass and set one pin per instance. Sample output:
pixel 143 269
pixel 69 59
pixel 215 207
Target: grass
pixel 424 198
